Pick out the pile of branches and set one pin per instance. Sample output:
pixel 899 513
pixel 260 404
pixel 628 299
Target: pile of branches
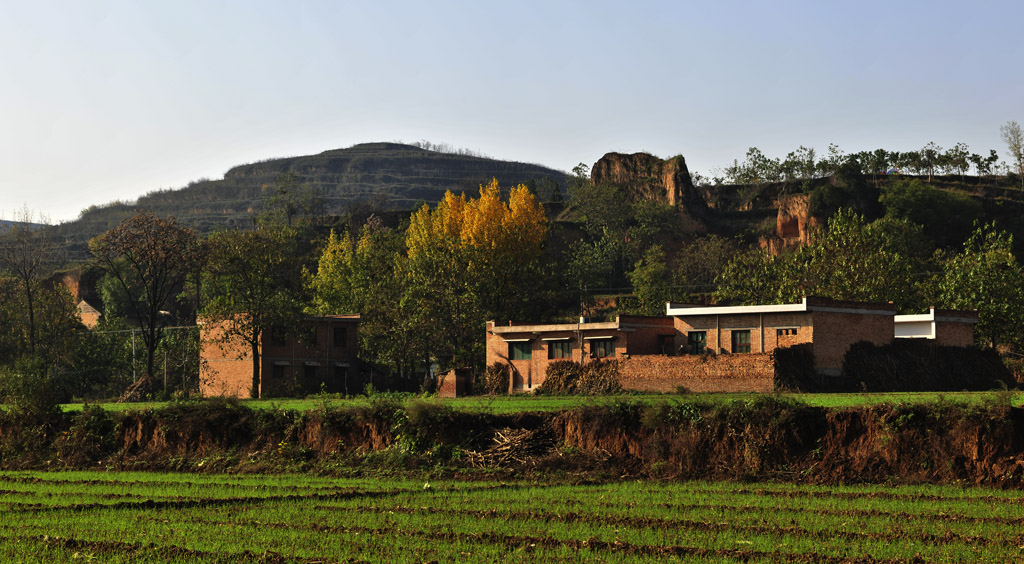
pixel 513 446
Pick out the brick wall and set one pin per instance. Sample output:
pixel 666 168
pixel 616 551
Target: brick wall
pixel 763 330
pixel 225 368
pixel 834 332
pixel 301 367
pixel 699 373
pixel 954 334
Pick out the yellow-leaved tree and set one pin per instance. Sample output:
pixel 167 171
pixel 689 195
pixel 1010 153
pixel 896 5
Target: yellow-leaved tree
pixel 369 276
pixel 473 259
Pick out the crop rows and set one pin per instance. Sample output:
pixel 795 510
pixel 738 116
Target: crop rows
pixel 139 517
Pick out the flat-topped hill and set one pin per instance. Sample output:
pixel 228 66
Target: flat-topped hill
pixel 390 175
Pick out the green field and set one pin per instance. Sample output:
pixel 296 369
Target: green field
pixel 526 403
pixel 133 517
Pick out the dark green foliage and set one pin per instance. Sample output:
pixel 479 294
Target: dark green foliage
pixel 849 189
pixel 947 216
pixel 32 389
pixel 912 365
pixel 794 368
pixel 89 438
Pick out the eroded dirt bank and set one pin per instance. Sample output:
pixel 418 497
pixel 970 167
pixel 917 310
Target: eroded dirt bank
pixel 763 439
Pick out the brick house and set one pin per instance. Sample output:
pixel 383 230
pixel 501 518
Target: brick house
pixel 321 355
pixel 718 348
pixel 528 348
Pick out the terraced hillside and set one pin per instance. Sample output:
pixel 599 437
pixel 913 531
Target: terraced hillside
pixel 388 175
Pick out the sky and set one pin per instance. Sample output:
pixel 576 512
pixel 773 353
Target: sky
pixel 103 100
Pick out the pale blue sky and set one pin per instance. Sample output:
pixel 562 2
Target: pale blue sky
pixel 103 100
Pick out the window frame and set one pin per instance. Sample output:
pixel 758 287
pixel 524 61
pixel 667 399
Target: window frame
pixel 597 347
pixel 740 346
pixel 520 350
pixel 695 346
pixel 560 349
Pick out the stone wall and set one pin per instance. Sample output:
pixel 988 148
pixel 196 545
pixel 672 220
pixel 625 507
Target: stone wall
pixel 699 373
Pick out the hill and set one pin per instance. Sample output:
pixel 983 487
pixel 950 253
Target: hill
pixel 386 175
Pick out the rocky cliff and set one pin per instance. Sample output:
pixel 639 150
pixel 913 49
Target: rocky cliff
pixel 647 177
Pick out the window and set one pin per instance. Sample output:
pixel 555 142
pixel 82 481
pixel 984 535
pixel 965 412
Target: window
pixel 601 348
pixel 559 349
pixel 782 332
pixel 697 341
pixel 341 336
pixel 741 341
pixel 309 372
pixel 520 350
pixel 278 371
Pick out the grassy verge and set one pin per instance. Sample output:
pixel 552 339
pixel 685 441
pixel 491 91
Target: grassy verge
pixel 528 403
pixel 133 517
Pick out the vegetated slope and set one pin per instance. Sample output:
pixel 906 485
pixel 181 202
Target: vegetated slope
pixel 766 438
pixel 391 175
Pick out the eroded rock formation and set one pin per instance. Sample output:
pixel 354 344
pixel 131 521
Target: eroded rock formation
pixel 647 177
pixel 793 225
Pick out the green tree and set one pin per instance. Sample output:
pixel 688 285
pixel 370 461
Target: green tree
pixel 984 165
pixel 151 258
pixel 986 276
pixel 1014 139
pixel 369 275
pixel 870 262
pixel 652 282
pixel 947 216
pixel 851 260
pixel 252 283
pixel 758 277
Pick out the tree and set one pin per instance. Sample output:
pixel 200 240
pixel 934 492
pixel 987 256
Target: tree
pixel 931 156
pixel 852 260
pixel 700 262
pixel 947 216
pixel 28 252
pixel 869 262
pixel 1014 140
pixel 957 159
pixel 253 283
pixel 984 165
pixel 151 258
pixel 476 258
pixel 370 275
pixel 986 276
pixel 652 282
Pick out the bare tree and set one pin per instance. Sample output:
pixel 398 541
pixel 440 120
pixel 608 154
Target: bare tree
pixel 1014 139
pixel 28 253
pixel 151 258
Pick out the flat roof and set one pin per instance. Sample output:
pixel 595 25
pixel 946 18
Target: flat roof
pixel 816 304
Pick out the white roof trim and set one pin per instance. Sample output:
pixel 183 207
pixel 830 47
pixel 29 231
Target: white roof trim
pixel 517 340
pixel 732 310
pixel 683 311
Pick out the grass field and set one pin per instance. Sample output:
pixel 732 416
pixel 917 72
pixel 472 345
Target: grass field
pixel 130 517
pixel 525 403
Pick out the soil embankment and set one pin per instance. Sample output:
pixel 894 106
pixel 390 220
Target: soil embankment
pixel 768 438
